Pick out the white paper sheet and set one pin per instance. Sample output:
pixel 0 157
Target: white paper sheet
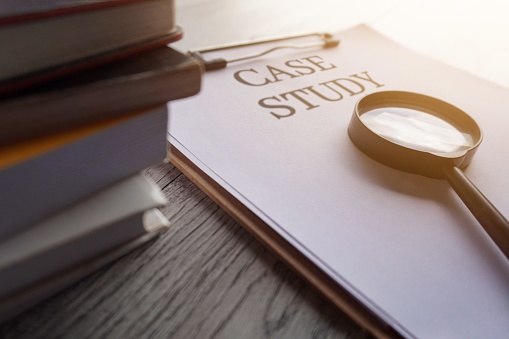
pixel 404 245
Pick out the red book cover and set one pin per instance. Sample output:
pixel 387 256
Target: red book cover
pixel 15 11
pixel 51 39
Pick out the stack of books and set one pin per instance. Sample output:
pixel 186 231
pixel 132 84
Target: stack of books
pixel 84 87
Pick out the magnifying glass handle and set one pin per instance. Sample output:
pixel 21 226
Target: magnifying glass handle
pixel 493 222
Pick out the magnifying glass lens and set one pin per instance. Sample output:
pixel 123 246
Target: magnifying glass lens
pixel 416 129
pixel 419 134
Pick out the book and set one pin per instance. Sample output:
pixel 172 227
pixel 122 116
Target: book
pixel 267 139
pixel 70 244
pixel 38 78
pixel 52 172
pixel 151 78
pixel 82 32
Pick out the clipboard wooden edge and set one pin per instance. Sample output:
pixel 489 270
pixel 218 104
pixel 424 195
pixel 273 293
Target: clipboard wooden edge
pixel 297 261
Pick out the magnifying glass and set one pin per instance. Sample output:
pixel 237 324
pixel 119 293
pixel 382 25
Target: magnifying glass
pixel 423 135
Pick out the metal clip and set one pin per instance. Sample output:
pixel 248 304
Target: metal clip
pixel 326 41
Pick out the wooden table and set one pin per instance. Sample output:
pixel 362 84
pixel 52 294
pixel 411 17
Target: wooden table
pixel 206 277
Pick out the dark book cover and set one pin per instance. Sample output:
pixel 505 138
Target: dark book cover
pixel 28 81
pixel 14 11
pixel 151 78
pixel 48 39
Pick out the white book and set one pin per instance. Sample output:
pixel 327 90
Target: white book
pixel 77 240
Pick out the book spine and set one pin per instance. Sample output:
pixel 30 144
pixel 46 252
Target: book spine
pixel 60 178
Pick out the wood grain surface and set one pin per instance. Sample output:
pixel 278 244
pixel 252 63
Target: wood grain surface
pixel 205 278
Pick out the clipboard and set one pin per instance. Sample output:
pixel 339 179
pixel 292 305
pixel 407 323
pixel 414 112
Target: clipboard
pixel 211 172
pixel 249 220
pixel 294 259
